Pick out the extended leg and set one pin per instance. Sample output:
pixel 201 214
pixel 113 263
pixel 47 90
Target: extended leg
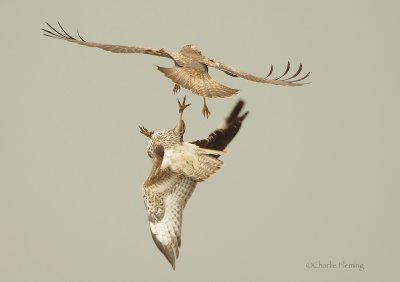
pixel 180 127
pixel 205 111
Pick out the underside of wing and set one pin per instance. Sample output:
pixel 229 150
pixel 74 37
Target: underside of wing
pixel 221 137
pixel 293 80
pixel 166 227
pixel 63 35
pixel 192 161
pixel 200 83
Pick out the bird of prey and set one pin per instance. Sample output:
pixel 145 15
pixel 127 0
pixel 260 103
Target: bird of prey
pixel 177 167
pixel 191 68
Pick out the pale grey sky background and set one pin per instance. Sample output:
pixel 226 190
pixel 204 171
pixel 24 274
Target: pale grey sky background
pixel 312 176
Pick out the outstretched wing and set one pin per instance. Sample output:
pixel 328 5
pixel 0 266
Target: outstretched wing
pixel 222 136
pixel 290 81
pixel 63 35
pixel 191 161
pixel 165 226
pixel 165 195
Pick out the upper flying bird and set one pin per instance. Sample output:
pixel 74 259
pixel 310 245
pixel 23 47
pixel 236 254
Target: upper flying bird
pixel 191 68
pixel 177 167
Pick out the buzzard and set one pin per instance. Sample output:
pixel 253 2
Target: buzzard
pixel 191 68
pixel 177 167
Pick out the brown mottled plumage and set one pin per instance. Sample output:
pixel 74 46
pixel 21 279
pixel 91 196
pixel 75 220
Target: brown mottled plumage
pixel 177 167
pixel 191 68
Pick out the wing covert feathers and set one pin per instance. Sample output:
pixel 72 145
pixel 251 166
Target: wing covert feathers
pixel 192 161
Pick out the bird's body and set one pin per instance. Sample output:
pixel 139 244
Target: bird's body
pixel 177 167
pixel 190 69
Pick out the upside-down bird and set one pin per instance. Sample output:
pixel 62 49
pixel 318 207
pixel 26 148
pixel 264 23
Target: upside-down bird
pixel 191 68
pixel 177 167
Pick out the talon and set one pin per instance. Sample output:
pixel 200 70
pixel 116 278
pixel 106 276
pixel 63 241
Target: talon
pixel 146 132
pixel 183 106
pixel 176 88
pixel 205 111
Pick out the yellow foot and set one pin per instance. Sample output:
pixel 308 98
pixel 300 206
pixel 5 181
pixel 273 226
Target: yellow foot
pixel 146 132
pixel 182 106
pixel 176 88
pixel 205 111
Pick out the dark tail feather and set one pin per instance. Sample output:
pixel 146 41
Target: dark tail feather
pixel 220 138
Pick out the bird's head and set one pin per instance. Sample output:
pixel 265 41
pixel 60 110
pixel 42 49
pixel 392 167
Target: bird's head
pixel 191 49
pixel 160 140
